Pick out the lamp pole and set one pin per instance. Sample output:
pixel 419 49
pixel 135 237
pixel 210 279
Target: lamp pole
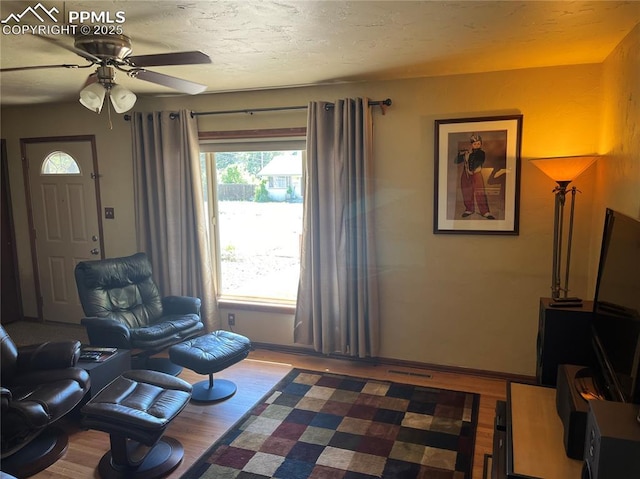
pixel 569 241
pixel 560 291
pixel 558 222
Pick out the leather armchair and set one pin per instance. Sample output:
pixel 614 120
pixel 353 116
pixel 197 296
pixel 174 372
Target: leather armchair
pixel 40 385
pixel 124 309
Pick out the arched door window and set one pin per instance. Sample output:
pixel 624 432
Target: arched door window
pixel 59 163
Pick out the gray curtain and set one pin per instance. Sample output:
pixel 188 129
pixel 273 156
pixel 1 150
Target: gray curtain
pixel 169 206
pixel 337 306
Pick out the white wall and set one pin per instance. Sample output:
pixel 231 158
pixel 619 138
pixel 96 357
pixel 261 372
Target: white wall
pixel 460 300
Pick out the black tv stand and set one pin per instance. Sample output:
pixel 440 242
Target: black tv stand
pixel 564 337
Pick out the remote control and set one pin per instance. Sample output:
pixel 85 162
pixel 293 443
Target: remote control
pixel 571 299
pixel 566 304
pixel 99 349
pixel 90 356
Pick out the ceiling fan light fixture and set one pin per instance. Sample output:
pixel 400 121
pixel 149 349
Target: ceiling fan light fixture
pixel 92 97
pixel 122 99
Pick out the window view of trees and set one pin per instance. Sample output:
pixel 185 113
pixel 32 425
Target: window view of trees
pixel 259 222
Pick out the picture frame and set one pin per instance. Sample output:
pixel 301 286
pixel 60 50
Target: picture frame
pixel 477 175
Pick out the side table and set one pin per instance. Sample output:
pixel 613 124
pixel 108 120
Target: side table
pixel 534 446
pixel 103 372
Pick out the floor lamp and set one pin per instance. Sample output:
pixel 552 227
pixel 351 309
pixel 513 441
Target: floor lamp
pixel 563 171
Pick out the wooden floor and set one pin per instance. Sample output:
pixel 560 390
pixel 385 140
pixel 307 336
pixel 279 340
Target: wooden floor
pixel 199 426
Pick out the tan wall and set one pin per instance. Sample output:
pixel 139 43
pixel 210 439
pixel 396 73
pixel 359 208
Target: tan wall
pixel 618 172
pixel 461 300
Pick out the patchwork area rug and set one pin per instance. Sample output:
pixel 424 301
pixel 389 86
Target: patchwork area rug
pixel 325 426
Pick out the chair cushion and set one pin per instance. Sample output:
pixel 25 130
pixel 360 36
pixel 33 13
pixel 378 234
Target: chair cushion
pixel 119 285
pixel 55 397
pixel 36 400
pixel 173 326
pixel 49 355
pixel 115 272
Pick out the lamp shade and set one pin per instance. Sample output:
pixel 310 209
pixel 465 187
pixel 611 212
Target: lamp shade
pixel 92 97
pixel 566 168
pixel 122 99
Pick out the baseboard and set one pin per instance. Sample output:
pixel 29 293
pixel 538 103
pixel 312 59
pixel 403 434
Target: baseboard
pixel 33 319
pixel 307 351
pixel 376 361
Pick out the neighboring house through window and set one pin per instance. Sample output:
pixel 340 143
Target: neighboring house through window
pixel 254 198
pixel 284 177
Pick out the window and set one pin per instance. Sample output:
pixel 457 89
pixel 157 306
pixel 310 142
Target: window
pixel 59 163
pixel 254 198
pixel 278 181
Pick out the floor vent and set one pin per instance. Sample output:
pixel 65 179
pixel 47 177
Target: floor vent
pixel 409 373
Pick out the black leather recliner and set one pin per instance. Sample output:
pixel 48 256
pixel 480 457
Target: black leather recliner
pixel 124 309
pixel 40 385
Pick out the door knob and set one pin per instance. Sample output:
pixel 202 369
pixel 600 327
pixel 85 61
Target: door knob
pixel 95 251
pixel 94 238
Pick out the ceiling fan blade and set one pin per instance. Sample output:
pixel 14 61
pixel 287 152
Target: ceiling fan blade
pixel 39 67
pixel 184 86
pixel 165 59
pixel 77 51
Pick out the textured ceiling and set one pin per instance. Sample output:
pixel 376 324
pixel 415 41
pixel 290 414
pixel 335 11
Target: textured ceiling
pixel 271 44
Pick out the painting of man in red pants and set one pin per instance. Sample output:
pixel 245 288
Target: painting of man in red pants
pixel 471 180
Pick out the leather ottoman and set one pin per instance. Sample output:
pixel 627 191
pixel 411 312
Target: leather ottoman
pixel 209 354
pixel 135 410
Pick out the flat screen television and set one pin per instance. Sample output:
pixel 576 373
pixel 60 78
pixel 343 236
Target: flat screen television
pixel 616 314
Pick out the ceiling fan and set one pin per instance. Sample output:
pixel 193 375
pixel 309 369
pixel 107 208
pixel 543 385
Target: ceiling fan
pixel 111 53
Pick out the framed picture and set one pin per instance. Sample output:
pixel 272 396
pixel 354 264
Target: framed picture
pixel 477 175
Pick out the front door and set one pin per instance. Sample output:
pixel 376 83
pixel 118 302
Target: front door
pixel 62 185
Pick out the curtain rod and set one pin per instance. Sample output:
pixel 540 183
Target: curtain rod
pixel 251 111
